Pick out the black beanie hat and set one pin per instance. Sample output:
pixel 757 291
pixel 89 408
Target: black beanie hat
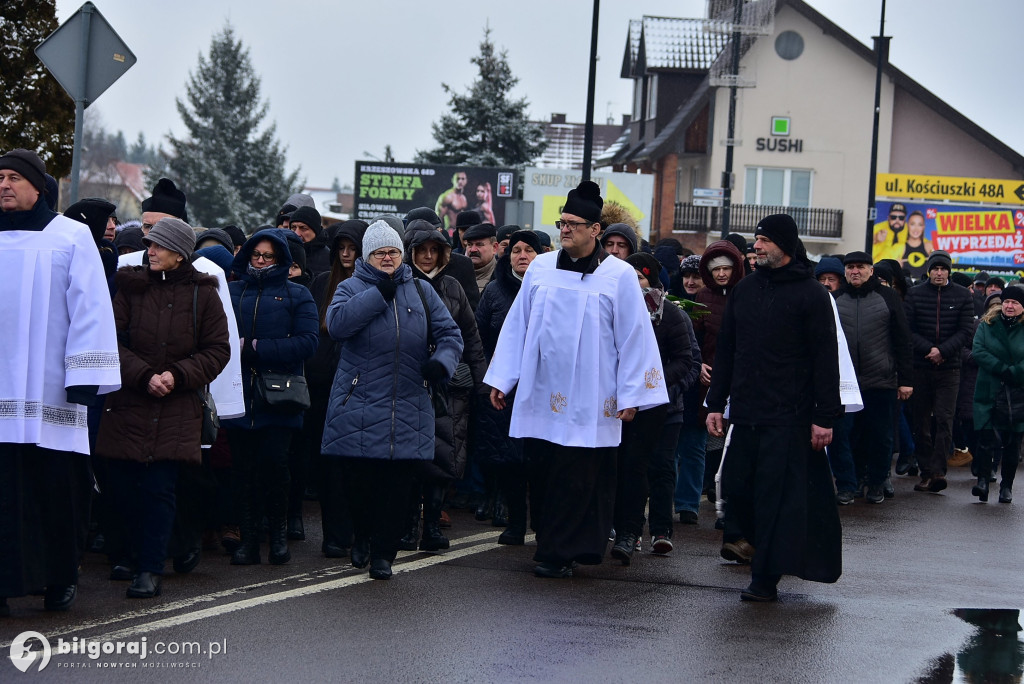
pixel 219 235
pixel 309 216
pixel 938 258
pixel 29 165
pixel 129 238
pixel 1014 292
pixel 739 242
pixel 623 231
pixel 236 234
pixel 166 199
pixel 961 278
pixel 997 281
pixel 781 229
pixel 468 219
pixel 425 213
pixel 528 236
pixel 646 264
pixel 585 201
pixel 93 212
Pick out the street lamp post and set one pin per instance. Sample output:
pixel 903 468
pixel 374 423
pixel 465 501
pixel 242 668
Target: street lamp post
pixel 881 56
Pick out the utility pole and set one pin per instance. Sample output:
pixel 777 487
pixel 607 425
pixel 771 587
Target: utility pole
pixel 881 57
pixel 588 130
pixel 730 142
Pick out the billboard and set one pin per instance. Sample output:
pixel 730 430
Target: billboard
pixel 547 189
pixel 950 188
pixel 396 188
pixel 972 234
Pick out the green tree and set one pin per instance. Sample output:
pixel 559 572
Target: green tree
pixel 486 127
pixel 231 172
pixel 36 112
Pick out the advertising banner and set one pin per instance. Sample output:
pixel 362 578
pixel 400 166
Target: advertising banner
pixel 975 235
pixel 397 188
pixel 950 188
pixel 547 189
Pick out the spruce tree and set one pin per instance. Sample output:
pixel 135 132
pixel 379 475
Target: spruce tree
pixel 486 127
pixel 36 113
pixel 231 172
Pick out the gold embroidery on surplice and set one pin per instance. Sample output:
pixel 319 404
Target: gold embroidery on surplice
pixel 558 402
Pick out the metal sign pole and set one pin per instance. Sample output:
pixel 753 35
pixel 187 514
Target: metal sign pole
pixel 76 154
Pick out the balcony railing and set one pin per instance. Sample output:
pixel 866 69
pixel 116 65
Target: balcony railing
pixel 812 222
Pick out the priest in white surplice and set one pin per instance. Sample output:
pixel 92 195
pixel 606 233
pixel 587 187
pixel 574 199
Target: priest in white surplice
pixel 59 353
pixel 578 343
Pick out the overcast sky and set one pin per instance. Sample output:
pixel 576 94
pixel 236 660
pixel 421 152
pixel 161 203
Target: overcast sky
pixel 344 78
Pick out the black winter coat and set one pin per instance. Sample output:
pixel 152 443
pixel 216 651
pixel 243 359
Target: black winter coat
pixel 876 332
pixel 941 317
pixel 676 355
pixel 778 355
pixel 495 303
pixel 280 316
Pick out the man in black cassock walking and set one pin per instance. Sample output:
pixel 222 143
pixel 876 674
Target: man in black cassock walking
pixel 777 364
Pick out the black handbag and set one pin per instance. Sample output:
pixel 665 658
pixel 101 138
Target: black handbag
pixel 211 421
pixel 1008 407
pixel 438 390
pixel 284 393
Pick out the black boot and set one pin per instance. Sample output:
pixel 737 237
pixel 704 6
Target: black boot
pixel 279 553
pixel 296 530
pixel 515 495
pixel 433 538
pixel 1005 494
pixel 278 487
pixel 249 514
pixel 408 541
pixel 500 518
pixel 980 490
pixel 360 555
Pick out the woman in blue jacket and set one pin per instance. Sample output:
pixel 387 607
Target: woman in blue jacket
pixel 278 324
pixel 380 419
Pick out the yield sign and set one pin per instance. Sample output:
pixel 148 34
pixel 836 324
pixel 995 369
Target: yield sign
pixel 85 55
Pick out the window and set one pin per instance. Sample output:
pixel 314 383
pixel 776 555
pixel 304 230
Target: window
pixel 777 187
pixel 652 96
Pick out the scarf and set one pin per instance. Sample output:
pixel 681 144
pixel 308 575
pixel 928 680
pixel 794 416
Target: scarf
pixel 655 301
pixel 259 273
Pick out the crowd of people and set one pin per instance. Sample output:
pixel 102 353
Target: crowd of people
pixel 214 379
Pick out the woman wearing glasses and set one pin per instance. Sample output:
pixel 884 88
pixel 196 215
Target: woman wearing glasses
pixel 380 420
pixel 277 323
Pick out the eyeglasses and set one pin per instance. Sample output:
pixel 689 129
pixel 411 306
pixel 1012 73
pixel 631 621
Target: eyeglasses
pixel 269 257
pixel 897 217
pixel 571 225
pixel 386 254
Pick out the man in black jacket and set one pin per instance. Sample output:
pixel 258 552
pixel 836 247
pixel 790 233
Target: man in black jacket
pixel 777 364
pixel 876 331
pixel 941 319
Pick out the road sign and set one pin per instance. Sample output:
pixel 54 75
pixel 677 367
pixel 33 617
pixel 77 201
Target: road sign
pixel 85 35
pixel 716 193
pixel 707 202
pixel 86 57
pixel 952 188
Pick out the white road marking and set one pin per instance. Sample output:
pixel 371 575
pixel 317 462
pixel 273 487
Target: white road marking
pixel 464 546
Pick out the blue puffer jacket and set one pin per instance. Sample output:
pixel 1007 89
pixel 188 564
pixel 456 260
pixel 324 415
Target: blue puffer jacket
pixel 281 316
pixel 380 407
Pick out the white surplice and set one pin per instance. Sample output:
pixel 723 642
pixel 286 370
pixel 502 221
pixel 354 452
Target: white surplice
pixel 579 349
pixel 56 331
pixel 226 388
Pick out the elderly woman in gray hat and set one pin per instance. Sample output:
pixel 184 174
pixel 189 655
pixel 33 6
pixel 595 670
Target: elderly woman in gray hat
pixel 172 340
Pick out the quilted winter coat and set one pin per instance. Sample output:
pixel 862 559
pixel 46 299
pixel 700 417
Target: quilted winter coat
pixel 281 316
pixel 153 315
pixel 380 407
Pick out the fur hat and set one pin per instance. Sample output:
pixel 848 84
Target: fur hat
pixel 585 201
pixel 173 234
pixel 29 165
pixel 379 235
pixel 691 264
pixel 646 264
pixel 166 199
pixel 623 231
pixel 781 229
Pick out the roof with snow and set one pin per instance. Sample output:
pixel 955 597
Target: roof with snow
pixel 669 43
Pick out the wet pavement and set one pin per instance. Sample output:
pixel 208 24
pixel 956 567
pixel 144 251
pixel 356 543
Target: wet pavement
pixel 925 578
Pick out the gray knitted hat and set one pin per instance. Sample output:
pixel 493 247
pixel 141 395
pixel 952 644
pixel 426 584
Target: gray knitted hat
pixel 378 235
pixel 173 234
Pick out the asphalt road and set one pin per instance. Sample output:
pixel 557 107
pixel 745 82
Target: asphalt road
pixel 477 614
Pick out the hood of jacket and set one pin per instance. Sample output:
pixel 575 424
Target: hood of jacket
pixel 352 230
pixel 416 236
pixel 240 266
pixel 717 249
